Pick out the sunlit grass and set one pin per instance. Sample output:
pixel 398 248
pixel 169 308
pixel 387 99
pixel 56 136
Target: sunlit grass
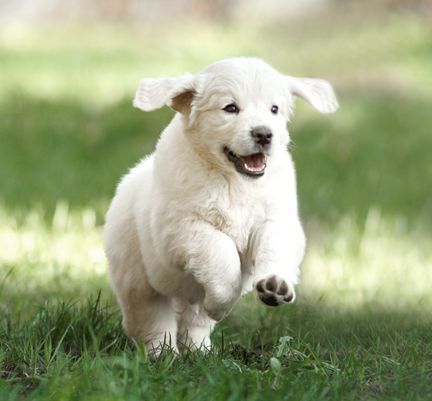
pixel 63 259
pixel 359 326
pixel 383 264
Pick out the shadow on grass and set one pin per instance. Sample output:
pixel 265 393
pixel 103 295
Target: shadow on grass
pixel 62 150
pixel 375 152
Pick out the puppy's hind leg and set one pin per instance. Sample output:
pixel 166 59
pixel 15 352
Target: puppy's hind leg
pixel 149 316
pixel 195 326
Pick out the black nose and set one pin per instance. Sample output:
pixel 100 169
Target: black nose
pixel 262 135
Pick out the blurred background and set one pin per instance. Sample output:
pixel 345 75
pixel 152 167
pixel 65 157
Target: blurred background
pixel 68 132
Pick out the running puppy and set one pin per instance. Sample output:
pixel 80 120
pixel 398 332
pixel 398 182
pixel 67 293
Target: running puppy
pixel 212 213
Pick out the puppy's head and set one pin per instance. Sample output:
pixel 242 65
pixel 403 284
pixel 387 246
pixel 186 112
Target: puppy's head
pixel 236 110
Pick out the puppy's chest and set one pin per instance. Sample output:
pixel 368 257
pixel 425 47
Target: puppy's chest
pixel 237 220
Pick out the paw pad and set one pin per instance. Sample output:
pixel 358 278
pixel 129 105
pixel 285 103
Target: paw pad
pixel 274 291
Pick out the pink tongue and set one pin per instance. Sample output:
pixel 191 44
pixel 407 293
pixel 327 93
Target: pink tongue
pixel 256 161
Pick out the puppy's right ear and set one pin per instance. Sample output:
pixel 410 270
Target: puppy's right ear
pixel 317 92
pixel 175 92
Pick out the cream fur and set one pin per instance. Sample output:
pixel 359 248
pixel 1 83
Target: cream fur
pixel 186 234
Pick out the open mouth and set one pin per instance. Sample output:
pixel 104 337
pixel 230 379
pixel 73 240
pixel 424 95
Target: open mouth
pixel 251 165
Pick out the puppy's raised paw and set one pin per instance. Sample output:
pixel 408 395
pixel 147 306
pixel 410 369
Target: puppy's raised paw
pixel 274 291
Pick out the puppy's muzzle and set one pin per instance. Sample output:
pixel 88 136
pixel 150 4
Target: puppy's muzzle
pixel 262 135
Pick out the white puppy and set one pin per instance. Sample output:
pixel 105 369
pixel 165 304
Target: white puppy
pixel 212 213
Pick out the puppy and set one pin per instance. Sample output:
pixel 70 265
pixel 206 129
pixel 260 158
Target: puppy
pixel 212 213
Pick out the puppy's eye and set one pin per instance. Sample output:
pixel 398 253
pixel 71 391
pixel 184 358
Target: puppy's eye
pixel 231 108
pixel 274 109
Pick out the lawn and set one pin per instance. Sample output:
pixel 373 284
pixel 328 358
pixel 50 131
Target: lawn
pixel 362 326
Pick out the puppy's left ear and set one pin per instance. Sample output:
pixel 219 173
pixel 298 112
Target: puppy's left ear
pixel 317 92
pixel 175 92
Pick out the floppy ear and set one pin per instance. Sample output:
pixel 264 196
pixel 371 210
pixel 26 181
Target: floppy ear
pixel 175 92
pixel 317 92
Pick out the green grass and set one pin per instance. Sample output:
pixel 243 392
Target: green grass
pixel 78 351
pixel 361 329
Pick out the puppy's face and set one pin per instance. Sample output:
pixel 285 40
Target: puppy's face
pixel 236 110
pixel 240 111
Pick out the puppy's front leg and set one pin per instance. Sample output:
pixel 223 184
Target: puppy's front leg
pixel 278 252
pixel 213 260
